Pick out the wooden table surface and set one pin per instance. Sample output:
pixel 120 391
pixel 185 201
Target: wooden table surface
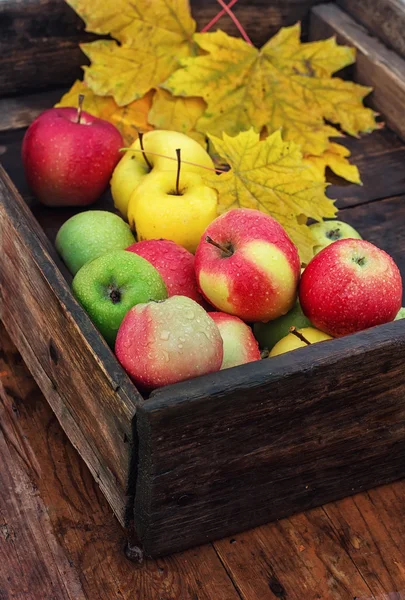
pixel 59 539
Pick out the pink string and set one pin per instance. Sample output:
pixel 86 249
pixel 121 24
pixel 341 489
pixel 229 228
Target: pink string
pixel 217 17
pixel 227 9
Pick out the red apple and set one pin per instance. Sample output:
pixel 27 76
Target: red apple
pixel 160 343
pixel 246 265
pixel 66 162
pixel 349 286
pixel 240 345
pixel 175 265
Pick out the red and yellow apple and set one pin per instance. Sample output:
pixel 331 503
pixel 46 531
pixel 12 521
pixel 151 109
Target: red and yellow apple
pixel 175 265
pixel 160 343
pixel 69 156
pixel 240 345
pixel 349 286
pixel 246 265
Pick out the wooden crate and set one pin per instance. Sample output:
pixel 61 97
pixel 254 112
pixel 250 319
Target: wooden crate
pixel 225 452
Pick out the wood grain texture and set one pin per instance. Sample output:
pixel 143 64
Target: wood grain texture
pixel 86 387
pixel 384 18
pixel 375 66
pixel 20 111
pixel 58 537
pixel 348 549
pixel 278 436
pixel 39 38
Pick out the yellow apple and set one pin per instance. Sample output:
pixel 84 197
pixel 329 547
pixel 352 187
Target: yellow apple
pixel 292 342
pixel 133 168
pixel 155 210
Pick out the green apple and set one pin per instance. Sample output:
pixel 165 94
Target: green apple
pixel 327 232
pixel 90 234
pixel 133 167
pixel 268 334
pixel 156 210
pixel 108 286
pixel 401 314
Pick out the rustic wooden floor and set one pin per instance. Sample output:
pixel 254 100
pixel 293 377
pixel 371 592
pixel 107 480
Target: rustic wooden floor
pixel 59 539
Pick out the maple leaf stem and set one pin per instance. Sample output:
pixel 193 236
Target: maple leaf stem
pixel 299 335
pixel 185 162
pixel 80 101
pixel 223 249
pixel 178 154
pixel 140 135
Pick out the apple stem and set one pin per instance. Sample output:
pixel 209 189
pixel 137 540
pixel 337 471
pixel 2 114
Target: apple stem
pixel 178 153
pixel 185 162
pixel 79 107
pixel 299 335
pixel 140 135
pixel 225 250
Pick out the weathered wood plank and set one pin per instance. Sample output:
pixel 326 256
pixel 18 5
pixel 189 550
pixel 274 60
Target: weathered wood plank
pixel 278 436
pixel 20 111
pixel 380 157
pixel 375 66
pixel 299 558
pixel 39 38
pixel 92 396
pixel 385 18
pixel 371 529
pixel 58 536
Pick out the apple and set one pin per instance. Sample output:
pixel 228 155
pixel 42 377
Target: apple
pixel 135 166
pixel 240 345
pixel 268 334
pixel 299 338
pixel 327 232
pixel 401 314
pixel 108 286
pixel 90 234
pixel 174 263
pixel 157 209
pixel 160 343
pixel 69 156
pixel 246 265
pixel 349 286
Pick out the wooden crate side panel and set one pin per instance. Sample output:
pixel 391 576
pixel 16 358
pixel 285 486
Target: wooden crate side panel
pixel 375 66
pixel 222 454
pixel 384 18
pixel 39 41
pixel 63 347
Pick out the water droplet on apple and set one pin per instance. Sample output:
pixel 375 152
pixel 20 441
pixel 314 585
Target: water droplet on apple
pixel 165 335
pixel 189 314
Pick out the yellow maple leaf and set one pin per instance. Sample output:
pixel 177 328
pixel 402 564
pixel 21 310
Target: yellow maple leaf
pixel 336 158
pixel 177 114
pixel 286 85
pixel 128 119
pixel 153 36
pixel 270 176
